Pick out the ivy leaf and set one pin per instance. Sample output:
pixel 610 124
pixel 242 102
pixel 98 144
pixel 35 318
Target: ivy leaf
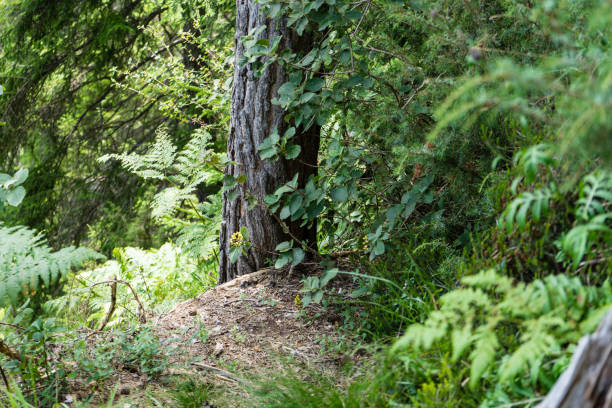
pixel 328 275
pixel 289 133
pixel 229 182
pixel 20 177
pixel 306 97
pixel 339 194
pixel 410 200
pixel 271 199
pixel 232 195
pixel 284 246
pixel 282 260
pixel 267 153
pixel 379 248
pixel 315 84
pixel 298 256
pixel 287 89
pixel 296 203
pixel 285 212
pixel 293 151
pixel 393 212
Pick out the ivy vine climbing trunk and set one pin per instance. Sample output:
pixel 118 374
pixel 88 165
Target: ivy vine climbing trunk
pixel 253 118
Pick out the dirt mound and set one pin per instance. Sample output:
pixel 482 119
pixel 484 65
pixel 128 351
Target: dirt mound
pixel 248 322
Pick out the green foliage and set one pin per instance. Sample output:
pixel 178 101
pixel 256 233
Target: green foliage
pixel 11 190
pixel 160 277
pixel 537 203
pixel 82 79
pixel 314 286
pixel 492 317
pixel 300 386
pixel 183 172
pixel 593 212
pixel 141 351
pixel 29 268
pixel 191 394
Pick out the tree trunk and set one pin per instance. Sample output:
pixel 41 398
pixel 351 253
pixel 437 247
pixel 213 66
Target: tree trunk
pixel 587 382
pixel 253 118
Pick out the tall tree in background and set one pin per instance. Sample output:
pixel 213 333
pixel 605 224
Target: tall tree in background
pixel 254 118
pixel 66 67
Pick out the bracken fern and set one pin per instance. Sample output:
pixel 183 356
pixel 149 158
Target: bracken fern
pixel 547 314
pixel 28 265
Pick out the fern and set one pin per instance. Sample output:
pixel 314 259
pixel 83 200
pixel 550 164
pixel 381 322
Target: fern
pixel 484 351
pixel 547 314
pixel 537 341
pixel 159 276
pixel 537 203
pixel 151 165
pixel 593 210
pixel 530 159
pixel 595 194
pixel 29 266
pixel 176 206
pixel 577 241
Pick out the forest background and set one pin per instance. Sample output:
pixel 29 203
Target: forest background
pixel 463 184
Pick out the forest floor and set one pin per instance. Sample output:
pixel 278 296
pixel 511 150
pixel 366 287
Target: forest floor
pixel 240 331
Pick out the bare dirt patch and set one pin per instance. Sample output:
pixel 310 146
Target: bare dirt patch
pixel 248 322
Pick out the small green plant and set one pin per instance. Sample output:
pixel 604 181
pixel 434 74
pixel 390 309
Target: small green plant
pixel 301 386
pixel 191 394
pixel 96 364
pixel 314 287
pixel 141 351
pixel 201 332
pixel 237 335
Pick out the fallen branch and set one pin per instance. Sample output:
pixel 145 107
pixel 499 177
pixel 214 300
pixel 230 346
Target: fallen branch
pixel 218 371
pixel 141 310
pixel 111 308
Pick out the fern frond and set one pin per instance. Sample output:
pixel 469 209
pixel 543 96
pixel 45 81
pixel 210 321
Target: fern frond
pixel 488 279
pixel 151 165
pixel 461 339
pixel 537 203
pixel 28 265
pixel 547 314
pixel 166 202
pixel 423 336
pixel 483 354
pixel 595 192
pixel 529 352
pixel 466 300
pixel 531 158
pixel 578 239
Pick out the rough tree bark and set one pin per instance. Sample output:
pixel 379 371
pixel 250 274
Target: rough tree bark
pixel 253 118
pixel 587 382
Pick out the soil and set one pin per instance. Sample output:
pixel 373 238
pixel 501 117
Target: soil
pixel 241 329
